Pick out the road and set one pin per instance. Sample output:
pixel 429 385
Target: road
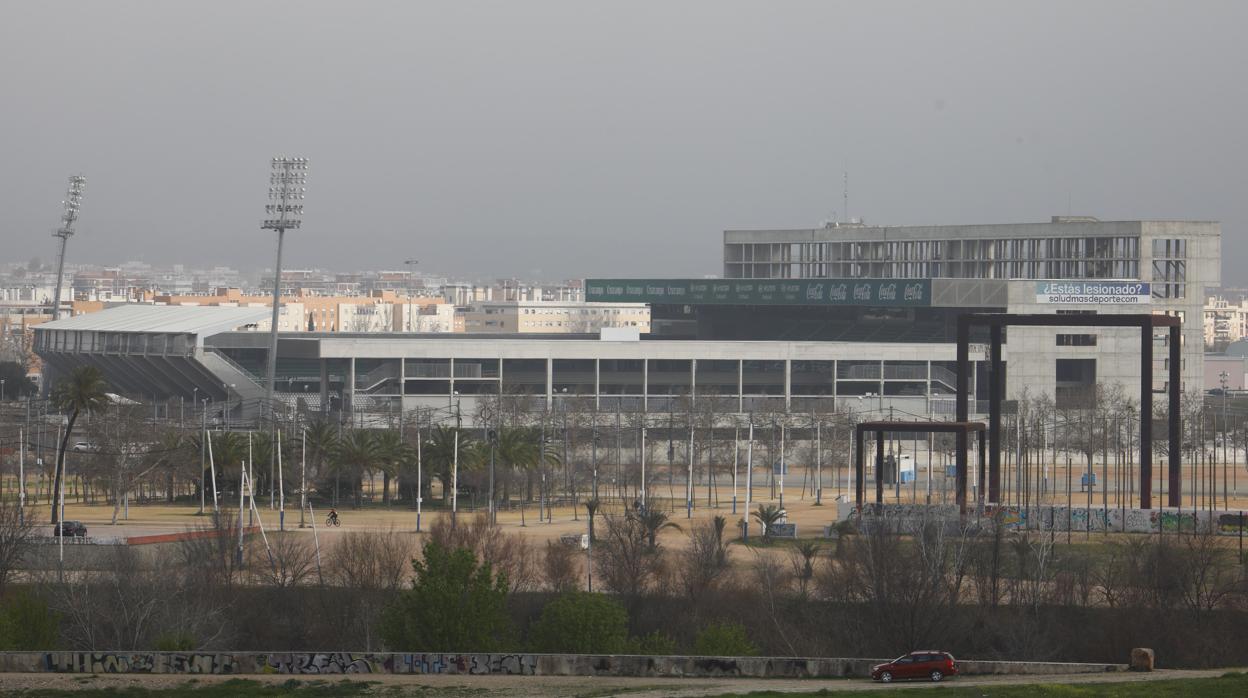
pixel 570 686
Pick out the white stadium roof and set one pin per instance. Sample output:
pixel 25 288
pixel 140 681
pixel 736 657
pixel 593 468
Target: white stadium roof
pixel 170 319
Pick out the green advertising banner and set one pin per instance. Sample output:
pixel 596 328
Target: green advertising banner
pixel 869 292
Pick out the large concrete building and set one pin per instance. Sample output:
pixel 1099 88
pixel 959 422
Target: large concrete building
pixel 1172 263
pixel 847 317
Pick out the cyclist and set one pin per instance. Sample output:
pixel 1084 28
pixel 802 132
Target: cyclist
pixel 333 517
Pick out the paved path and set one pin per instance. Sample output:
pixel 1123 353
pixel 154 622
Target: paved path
pixel 570 686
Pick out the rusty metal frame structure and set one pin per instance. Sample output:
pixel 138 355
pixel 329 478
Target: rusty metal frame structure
pixel 962 429
pixel 1146 322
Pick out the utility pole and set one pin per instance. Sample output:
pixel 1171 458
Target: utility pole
pixel 203 451
pixel 455 469
pixel 749 480
pixel 819 462
pixel 492 436
pixel 689 478
pixel 303 473
pixel 71 204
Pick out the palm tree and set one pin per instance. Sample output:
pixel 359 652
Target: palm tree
pixel 229 450
pixel 652 522
pixel 519 452
pixel 262 452
pixel 439 454
pixel 392 456
pixel 170 456
pixel 320 439
pixel 767 515
pixel 804 554
pixel 357 453
pixel 84 390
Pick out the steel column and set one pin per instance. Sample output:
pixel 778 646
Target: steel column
pixel 1146 415
pixel 879 467
pixel 960 468
pixel 964 359
pixel 860 490
pixel 981 467
pixel 1175 386
pixel 994 419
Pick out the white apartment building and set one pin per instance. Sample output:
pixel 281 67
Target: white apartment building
pixel 554 317
pixel 1225 322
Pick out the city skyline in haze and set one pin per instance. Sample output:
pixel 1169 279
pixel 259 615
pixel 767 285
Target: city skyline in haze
pixel 558 139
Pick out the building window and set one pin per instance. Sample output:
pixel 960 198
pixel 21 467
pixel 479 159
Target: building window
pixel 1076 340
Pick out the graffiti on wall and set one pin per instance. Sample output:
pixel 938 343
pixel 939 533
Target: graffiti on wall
pixel 397 663
pixel 140 663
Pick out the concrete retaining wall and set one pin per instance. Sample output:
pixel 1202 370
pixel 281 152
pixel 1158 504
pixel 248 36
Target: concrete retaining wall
pixel 518 664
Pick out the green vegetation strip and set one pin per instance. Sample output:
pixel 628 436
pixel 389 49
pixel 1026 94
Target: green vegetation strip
pixel 1232 685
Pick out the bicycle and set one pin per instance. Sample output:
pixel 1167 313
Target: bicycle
pixel 332 521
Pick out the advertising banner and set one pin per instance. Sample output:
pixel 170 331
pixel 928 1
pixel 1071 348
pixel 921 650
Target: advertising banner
pixel 1093 292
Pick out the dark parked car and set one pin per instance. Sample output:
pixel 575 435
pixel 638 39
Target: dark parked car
pixel 924 664
pixel 76 529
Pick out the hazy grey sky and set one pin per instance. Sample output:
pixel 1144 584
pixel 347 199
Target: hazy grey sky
pixel 556 139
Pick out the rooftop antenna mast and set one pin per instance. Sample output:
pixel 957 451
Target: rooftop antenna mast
pixel 72 202
pixel 845 194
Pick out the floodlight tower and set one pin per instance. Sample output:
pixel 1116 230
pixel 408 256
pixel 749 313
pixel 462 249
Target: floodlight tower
pixel 72 202
pixel 285 212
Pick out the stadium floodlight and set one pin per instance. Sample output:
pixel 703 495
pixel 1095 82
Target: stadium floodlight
pixel 284 212
pixel 69 215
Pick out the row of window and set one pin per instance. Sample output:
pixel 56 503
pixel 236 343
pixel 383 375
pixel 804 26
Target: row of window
pixel 654 377
pixel 1059 269
pixel 1011 249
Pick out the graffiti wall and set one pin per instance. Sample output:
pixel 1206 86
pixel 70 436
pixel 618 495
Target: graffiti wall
pixel 910 517
pixel 482 664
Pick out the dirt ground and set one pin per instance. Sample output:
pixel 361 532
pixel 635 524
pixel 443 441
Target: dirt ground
pixel 567 687
pixel 151 519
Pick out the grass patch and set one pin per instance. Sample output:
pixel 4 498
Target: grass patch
pixel 225 689
pixel 1230 685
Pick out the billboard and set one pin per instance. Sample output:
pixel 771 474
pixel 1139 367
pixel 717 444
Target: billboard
pixel 867 292
pixel 1093 292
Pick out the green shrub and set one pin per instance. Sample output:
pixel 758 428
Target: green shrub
pixel 26 623
pixel 656 643
pixel 724 640
pixel 581 623
pixel 454 605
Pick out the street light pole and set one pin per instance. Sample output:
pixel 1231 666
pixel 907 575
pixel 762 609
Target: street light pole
pixel 409 325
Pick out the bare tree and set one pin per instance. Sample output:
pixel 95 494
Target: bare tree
pixel 291 562
pixel 372 561
pixel 625 562
pixel 561 566
pixel 703 564
pixel 16 530
pixel 506 553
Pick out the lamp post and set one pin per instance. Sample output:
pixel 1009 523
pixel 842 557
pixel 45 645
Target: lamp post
pixel 411 321
pixel 455 464
pixel 1223 377
pixel 71 204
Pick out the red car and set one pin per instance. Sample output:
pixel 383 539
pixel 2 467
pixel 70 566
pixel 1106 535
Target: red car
pixel 922 664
